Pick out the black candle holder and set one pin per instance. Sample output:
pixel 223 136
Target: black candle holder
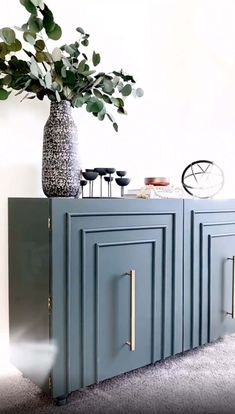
pixel 122 182
pixel 90 176
pixel 82 184
pixel 121 173
pixel 110 171
pixel 101 172
pixel 109 179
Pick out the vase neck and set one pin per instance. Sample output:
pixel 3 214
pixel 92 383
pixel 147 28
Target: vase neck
pixel 60 107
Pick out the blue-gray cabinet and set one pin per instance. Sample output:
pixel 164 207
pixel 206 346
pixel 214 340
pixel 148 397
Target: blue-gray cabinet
pixel 209 250
pixel 96 287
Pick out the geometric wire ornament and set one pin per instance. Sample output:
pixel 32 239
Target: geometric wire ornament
pixel 202 179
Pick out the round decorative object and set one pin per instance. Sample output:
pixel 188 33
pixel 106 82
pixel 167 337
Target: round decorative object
pixel 159 181
pixel 202 179
pixel 60 161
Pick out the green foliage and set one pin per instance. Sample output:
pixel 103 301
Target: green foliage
pixel 66 73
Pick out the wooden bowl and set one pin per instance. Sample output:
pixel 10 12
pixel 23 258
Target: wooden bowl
pixel 160 181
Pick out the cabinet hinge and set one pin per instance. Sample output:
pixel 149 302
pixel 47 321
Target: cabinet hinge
pixel 49 223
pixel 49 304
pixel 50 382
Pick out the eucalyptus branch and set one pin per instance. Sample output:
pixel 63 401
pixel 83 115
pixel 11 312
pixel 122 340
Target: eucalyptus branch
pixel 72 77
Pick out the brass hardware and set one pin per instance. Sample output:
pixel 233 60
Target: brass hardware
pixel 233 288
pixel 49 304
pixel 50 382
pixel 49 223
pixel 131 343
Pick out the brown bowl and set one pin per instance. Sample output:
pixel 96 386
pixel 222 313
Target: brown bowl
pixel 161 181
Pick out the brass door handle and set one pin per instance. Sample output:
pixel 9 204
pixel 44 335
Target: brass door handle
pixel 131 343
pixel 233 288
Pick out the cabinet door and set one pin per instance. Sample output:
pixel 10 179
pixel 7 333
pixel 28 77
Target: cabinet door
pixel 209 240
pixel 104 241
pixel 221 284
pixel 123 300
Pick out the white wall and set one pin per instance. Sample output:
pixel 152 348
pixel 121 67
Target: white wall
pixel 182 52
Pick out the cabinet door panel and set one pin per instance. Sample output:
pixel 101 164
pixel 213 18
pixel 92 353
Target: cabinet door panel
pixel 222 247
pixel 108 255
pixel 113 307
pixel 209 226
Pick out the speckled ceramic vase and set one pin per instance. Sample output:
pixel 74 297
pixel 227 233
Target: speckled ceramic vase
pixel 60 161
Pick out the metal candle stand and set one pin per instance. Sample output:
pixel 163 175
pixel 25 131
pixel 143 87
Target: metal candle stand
pixel 90 175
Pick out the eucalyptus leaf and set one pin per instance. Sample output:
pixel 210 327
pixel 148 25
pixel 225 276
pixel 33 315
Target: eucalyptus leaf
pixel 35 2
pixel 3 49
pixel 117 102
pixel 38 3
pixel 48 80
pixel 139 92
pixel 39 45
pixel 41 4
pixel 107 99
pixel 29 37
pixel 101 114
pixel 116 80
pixel 34 68
pixel 69 49
pixel 85 42
pixel 42 83
pixel 98 94
pixel 115 125
pixel 7 80
pixel 78 101
pixel 98 81
pixel 58 98
pixel 3 65
pixel 41 57
pixel 70 78
pixel 88 72
pixel 35 24
pixel 81 66
pixel 126 91
pixel 121 110
pixel 63 72
pixel 29 6
pixel 56 33
pixel 48 19
pixel 4 94
pixel 95 58
pixel 66 62
pixel 107 85
pixel 56 54
pixel 7 35
pixel 80 30
pixel 56 86
pixel 94 105
pixel 15 47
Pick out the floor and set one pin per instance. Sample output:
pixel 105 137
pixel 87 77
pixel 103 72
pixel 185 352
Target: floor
pixel 198 381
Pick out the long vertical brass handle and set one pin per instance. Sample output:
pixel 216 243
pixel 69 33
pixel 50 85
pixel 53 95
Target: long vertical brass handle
pixel 131 343
pixel 233 288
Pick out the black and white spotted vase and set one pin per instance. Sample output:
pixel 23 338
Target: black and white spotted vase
pixel 60 161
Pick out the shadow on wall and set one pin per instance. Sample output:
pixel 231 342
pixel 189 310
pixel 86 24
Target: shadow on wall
pixel 15 181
